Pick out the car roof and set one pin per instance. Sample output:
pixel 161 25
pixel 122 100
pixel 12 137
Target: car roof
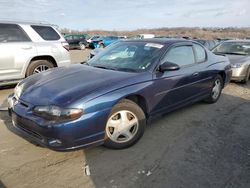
pixel 159 40
pixel 237 41
pixel 26 23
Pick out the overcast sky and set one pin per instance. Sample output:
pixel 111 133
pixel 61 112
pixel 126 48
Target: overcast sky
pixel 129 14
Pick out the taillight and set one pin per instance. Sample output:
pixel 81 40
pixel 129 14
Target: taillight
pixel 65 45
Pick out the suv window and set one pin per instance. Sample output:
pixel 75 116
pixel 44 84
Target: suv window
pixel 200 53
pixel 46 32
pixel 181 55
pixel 12 33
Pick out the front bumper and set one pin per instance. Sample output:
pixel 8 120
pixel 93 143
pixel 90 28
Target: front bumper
pixel 239 74
pixel 81 133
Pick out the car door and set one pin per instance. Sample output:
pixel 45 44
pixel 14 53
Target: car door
pixel 202 61
pixel 179 87
pixel 16 49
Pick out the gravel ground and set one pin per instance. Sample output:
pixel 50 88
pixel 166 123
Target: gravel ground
pixel 197 146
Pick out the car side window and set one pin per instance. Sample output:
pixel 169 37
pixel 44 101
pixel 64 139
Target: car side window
pixel 181 55
pixel 200 53
pixel 12 33
pixel 46 32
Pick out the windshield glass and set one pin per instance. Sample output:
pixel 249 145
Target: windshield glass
pixel 240 48
pixel 127 56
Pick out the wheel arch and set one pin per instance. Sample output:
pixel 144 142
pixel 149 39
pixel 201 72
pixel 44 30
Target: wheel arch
pixel 223 75
pixel 42 57
pixel 140 101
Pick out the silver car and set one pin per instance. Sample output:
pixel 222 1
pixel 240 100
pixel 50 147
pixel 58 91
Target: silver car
pixel 28 48
pixel 238 52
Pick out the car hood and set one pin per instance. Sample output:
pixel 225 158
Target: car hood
pixel 238 58
pixel 62 86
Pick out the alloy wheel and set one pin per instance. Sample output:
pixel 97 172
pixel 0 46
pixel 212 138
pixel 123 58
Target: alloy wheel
pixel 40 68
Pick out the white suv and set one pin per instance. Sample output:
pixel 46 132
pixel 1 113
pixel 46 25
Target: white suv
pixel 28 48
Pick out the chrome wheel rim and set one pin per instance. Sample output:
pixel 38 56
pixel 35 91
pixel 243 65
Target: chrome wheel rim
pixel 122 126
pixel 216 89
pixel 40 68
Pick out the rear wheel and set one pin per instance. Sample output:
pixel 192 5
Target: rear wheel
pixel 38 66
pixel 82 46
pixel 125 125
pixel 216 90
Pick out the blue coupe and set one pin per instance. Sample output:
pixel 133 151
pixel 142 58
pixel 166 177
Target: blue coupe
pixel 110 99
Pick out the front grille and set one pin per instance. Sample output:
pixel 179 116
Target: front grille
pixel 20 123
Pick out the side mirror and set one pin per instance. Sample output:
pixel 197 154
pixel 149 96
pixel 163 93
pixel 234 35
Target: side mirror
pixel 168 66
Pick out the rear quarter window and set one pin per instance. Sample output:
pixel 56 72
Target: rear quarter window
pixel 200 53
pixel 46 32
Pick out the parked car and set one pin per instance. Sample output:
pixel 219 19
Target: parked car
pixel 103 41
pixel 117 92
pixel 238 52
pixel 209 44
pixel 29 48
pixel 76 41
pixel 90 39
pixel 145 36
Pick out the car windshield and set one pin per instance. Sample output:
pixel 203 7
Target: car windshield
pixel 127 56
pixel 237 48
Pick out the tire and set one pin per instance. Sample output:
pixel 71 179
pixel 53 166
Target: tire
pixel 215 91
pixel 101 45
pixel 37 65
pixel 120 134
pixel 82 46
pixel 247 77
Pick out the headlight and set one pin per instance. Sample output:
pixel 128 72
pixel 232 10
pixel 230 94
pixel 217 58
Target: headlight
pixel 55 113
pixel 18 90
pixel 237 65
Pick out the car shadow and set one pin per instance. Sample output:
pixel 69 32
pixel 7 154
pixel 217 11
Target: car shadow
pixel 2 185
pixel 199 145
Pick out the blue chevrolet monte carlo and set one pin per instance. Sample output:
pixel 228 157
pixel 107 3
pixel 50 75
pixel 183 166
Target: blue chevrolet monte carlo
pixel 109 99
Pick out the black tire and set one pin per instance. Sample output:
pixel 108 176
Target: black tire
pixel 247 77
pixel 82 46
pixel 138 112
pixel 211 99
pixel 35 64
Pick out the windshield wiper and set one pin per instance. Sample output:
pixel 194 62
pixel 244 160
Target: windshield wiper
pixel 103 67
pixel 230 53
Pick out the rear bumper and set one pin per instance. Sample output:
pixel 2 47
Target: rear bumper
pixel 82 133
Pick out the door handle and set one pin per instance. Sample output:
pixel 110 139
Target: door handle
pixel 195 74
pixel 26 47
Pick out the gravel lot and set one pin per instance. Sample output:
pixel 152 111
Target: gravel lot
pixel 198 146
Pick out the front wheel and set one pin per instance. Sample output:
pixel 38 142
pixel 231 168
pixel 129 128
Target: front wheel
pixel 125 125
pixel 216 90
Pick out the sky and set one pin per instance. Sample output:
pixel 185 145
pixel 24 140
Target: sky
pixel 129 14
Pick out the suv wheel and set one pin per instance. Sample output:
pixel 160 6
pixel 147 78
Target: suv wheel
pixel 82 46
pixel 39 66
